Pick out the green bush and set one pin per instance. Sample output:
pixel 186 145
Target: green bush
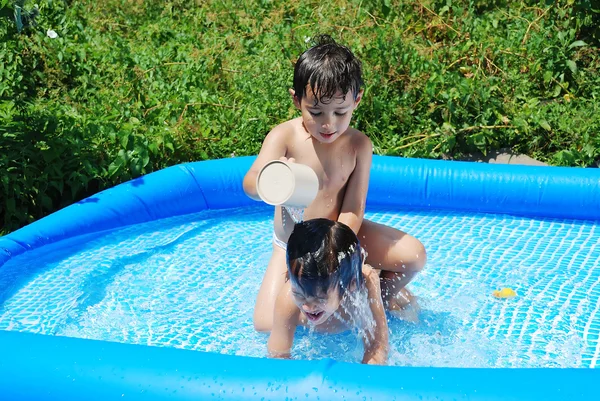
pixel 131 86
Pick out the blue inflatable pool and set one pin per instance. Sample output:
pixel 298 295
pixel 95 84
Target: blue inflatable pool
pixel 37 367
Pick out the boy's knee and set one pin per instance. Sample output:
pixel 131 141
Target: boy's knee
pixel 414 257
pixel 421 255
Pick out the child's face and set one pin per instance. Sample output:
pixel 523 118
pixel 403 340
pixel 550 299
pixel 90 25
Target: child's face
pixel 328 120
pixel 319 308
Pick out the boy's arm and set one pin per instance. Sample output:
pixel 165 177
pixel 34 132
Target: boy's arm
pixel 285 320
pixel 376 342
pixel 273 148
pixel 353 206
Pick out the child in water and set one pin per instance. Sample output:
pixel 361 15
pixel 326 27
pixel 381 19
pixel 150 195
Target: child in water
pixel 328 287
pixel 327 90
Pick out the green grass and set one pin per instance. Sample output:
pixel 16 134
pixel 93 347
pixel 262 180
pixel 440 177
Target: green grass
pixel 133 86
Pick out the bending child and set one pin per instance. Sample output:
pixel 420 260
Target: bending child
pixel 329 288
pixel 327 90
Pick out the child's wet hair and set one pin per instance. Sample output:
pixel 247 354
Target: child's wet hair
pixel 323 254
pixel 327 67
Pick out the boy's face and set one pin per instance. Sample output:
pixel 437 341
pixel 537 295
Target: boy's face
pixel 319 308
pixel 328 120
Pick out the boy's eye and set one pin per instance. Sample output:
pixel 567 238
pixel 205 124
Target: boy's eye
pixel 340 114
pixel 312 113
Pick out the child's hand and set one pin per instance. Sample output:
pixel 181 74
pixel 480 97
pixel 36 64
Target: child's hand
pixel 379 358
pixel 285 159
pixel 376 343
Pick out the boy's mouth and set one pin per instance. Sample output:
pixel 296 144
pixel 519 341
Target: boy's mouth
pixel 313 316
pixel 327 136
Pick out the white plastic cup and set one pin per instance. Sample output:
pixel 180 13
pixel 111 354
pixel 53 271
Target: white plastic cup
pixel 289 184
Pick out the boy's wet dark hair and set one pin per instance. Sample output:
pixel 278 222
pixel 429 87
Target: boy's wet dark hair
pixel 324 254
pixel 327 67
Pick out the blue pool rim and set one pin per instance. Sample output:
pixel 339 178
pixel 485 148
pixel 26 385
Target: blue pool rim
pixel 39 367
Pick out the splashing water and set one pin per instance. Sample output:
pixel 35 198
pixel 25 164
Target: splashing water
pixel 296 213
pixel 360 317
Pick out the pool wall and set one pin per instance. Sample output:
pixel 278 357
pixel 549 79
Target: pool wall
pixel 39 367
pixel 47 367
pixel 559 192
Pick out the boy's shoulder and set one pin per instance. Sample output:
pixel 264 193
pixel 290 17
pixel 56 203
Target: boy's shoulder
pixel 359 140
pixel 288 127
pixel 286 131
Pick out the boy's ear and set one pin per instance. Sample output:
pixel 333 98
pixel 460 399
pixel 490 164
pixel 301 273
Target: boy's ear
pixel 358 97
pixel 294 98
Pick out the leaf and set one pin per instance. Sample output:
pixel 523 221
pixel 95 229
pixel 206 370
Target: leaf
pixel 556 91
pixel 59 185
pixel 47 202
pixel 448 128
pixel 386 8
pixel 544 124
pixel 153 147
pixel 124 141
pixel 75 187
pixel 145 159
pixel 449 143
pixel 577 43
pixel 123 156
pixel 18 18
pixel 590 150
pixel 572 66
pixel 565 157
pixel 136 167
pixel 88 167
pixel 114 168
pixel 116 165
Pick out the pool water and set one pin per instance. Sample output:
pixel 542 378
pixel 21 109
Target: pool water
pixel 190 282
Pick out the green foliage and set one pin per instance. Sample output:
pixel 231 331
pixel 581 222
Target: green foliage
pixel 131 86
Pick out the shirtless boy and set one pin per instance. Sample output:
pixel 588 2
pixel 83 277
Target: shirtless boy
pixel 327 90
pixel 329 288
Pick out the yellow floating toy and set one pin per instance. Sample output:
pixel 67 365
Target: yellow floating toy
pixel 504 293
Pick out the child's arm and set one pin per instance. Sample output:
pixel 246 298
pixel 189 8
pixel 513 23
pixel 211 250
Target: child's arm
pixel 353 206
pixel 273 148
pixel 376 342
pixel 285 319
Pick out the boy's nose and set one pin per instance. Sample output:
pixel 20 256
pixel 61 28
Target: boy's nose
pixel 326 127
pixel 309 308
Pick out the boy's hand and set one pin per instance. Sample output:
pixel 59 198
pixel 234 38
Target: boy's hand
pixel 272 148
pixel 377 342
pixel 285 159
pixel 285 319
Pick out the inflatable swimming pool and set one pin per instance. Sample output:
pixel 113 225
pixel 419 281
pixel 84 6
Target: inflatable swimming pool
pixel 36 366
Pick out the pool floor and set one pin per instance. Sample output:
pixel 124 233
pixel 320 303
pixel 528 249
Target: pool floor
pixel 190 282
